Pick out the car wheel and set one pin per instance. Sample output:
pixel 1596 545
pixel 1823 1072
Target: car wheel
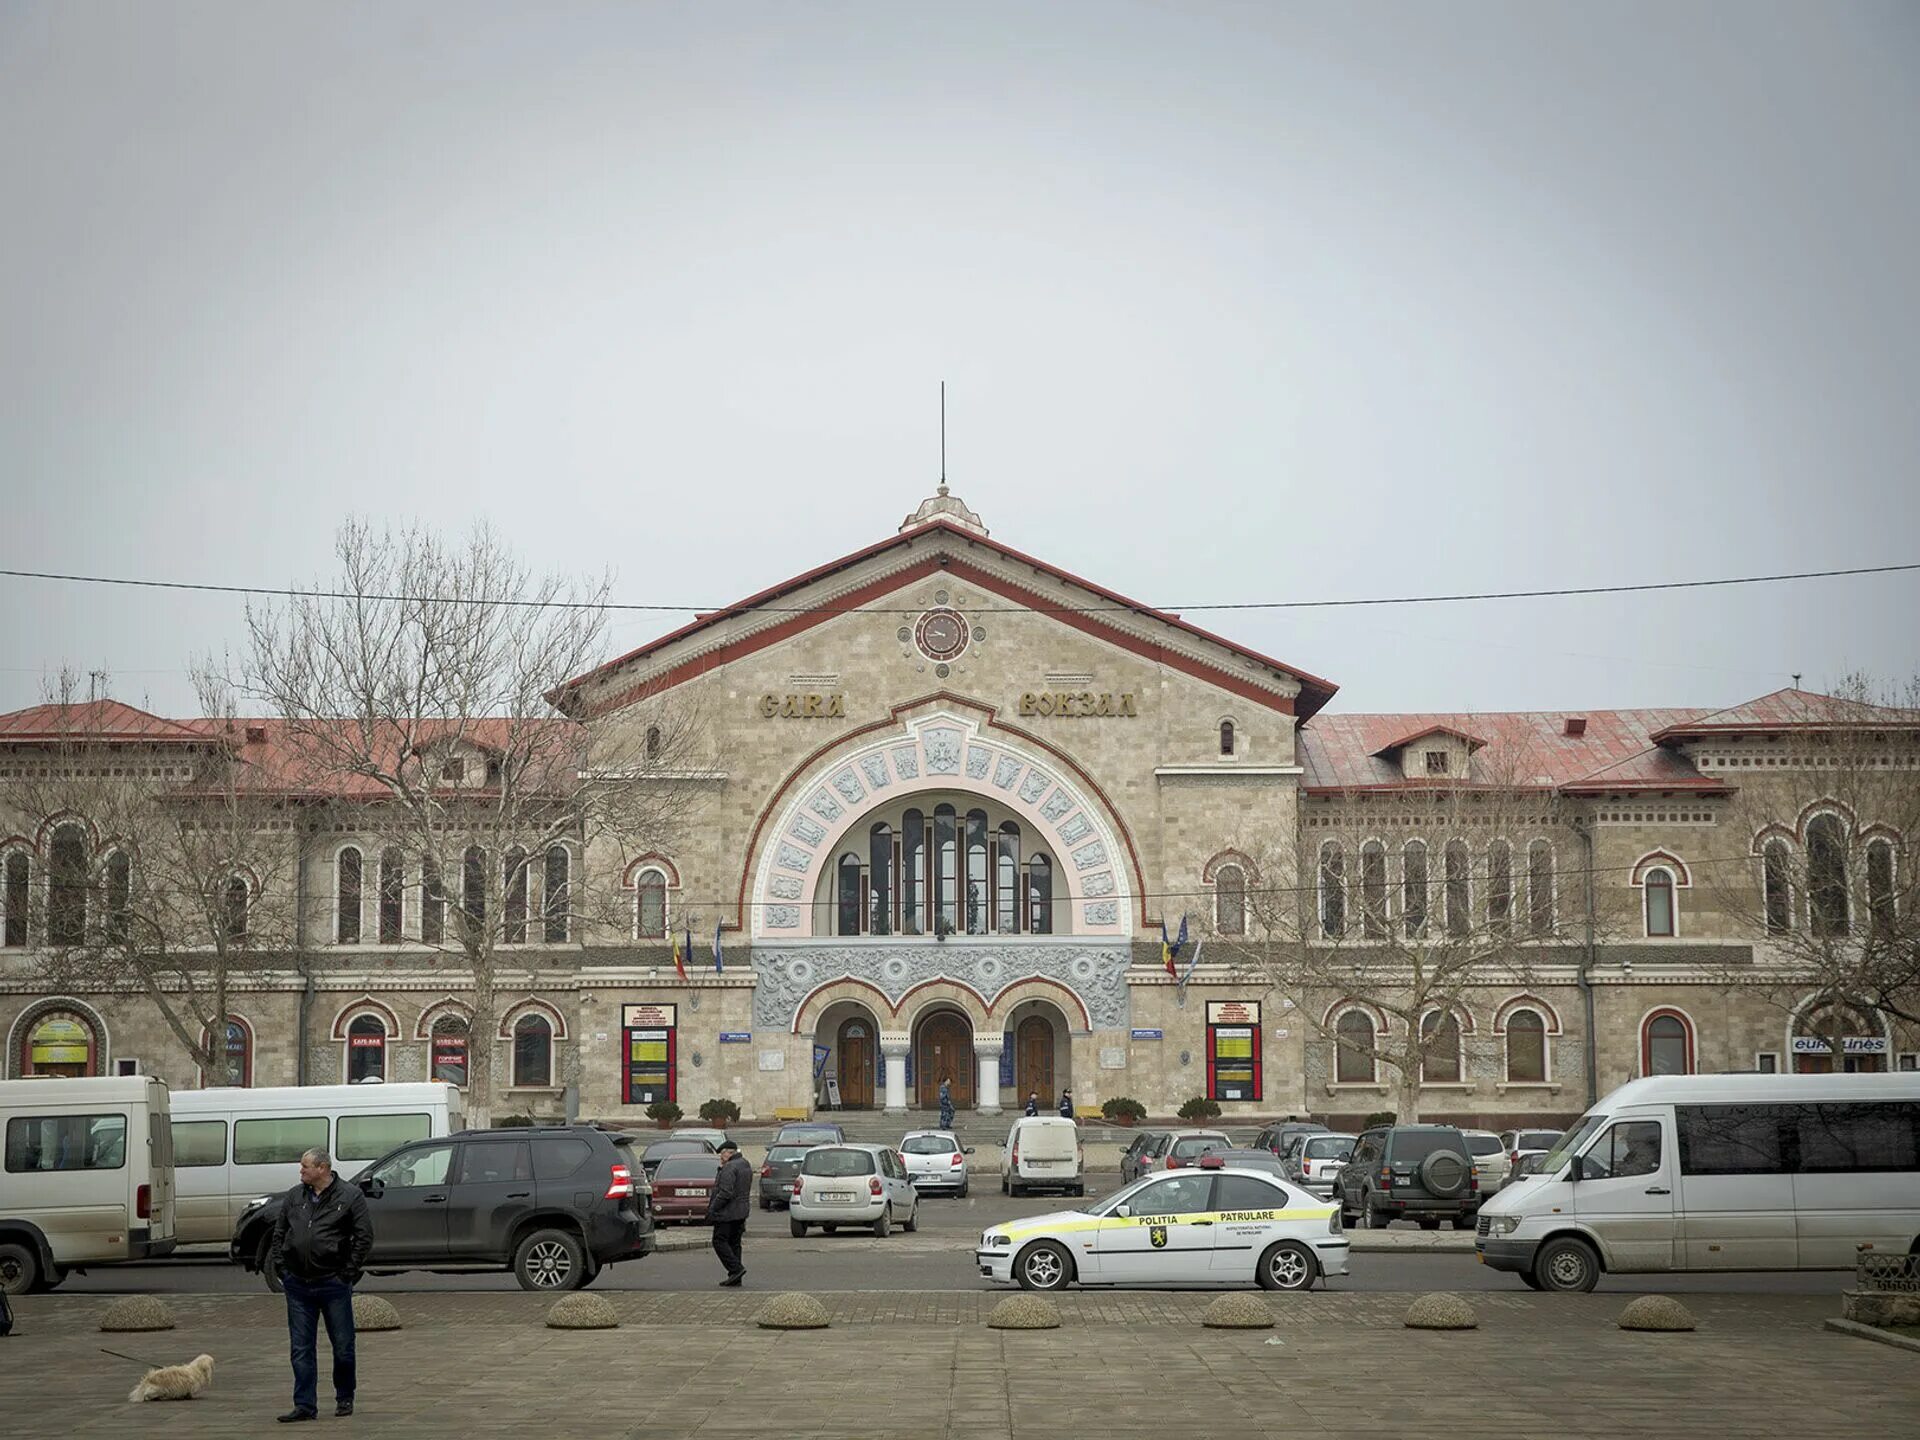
pixel 1005 1188
pixel 550 1260
pixel 1531 1280
pixel 1288 1265
pixel 19 1269
pixel 262 1263
pixel 1043 1265
pixel 1463 1222
pixel 884 1223
pixel 1369 1220
pixel 798 1228
pixel 961 1193
pixel 912 1223
pixel 1567 1264
pixel 1429 1222
pixel 766 1205
pixel 831 1229
pixel 1078 1190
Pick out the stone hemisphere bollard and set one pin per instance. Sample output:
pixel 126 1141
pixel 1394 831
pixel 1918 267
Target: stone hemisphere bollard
pixel 137 1312
pixel 1656 1312
pixel 1025 1312
pixel 370 1312
pixel 1238 1312
pixel 792 1311
pixel 580 1311
pixel 1441 1311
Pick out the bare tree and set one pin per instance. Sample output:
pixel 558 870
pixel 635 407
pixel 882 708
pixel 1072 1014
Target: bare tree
pixel 171 867
pixel 414 691
pixel 1831 892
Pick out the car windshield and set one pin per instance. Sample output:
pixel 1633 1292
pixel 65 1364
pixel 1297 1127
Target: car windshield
pixel 687 1167
pixel 1329 1147
pixel 787 1154
pixel 1484 1144
pixel 1410 1147
pixel 805 1135
pixel 1121 1196
pixel 1536 1139
pixel 1190 1145
pixel 837 1162
pixel 1571 1141
pixel 929 1145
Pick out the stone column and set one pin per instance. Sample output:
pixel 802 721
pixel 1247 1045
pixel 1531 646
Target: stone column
pixel 986 1096
pixel 893 1049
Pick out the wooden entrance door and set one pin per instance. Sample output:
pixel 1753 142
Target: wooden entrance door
pixel 1033 1060
pixel 944 1047
pixel 856 1048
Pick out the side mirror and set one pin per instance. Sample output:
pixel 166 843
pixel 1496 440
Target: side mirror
pixel 1124 1211
pixel 967 1151
pixel 1574 1168
pixel 372 1187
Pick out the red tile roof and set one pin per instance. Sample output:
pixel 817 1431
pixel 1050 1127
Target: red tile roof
pixel 1789 709
pixel 108 721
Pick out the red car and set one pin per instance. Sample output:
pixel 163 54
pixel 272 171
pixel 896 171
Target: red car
pixel 681 1186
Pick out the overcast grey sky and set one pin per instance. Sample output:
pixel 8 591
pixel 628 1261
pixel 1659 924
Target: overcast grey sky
pixel 1235 302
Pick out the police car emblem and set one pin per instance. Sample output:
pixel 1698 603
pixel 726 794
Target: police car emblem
pixel 1158 1235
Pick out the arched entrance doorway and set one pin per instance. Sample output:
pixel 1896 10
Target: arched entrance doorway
pixel 856 1045
pixel 943 1047
pixel 1864 1051
pixel 60 1042
pixel 1040 1053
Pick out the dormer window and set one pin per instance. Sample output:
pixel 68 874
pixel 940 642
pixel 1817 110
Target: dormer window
pixel 1436 762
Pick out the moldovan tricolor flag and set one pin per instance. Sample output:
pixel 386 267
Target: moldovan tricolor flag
pixel 680 956
pixel 1170 949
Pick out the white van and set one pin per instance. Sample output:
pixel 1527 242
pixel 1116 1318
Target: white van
pixel 1717 1172
pixel 231 1146
pixel 86 1176
pixel 1043 1153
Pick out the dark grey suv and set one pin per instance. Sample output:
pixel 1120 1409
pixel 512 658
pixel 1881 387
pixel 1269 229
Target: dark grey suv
pixel 553 1205
pixel 1409 1172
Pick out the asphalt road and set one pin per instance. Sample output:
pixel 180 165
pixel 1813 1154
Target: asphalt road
pixel 938 1257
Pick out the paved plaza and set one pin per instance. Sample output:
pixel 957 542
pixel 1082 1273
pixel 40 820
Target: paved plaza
pixel 924 1365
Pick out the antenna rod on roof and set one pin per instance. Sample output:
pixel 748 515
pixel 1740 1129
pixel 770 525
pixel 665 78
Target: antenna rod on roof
pixel 1796 679
pixel 943 437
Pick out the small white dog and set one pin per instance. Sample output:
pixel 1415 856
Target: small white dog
pixel 175 1382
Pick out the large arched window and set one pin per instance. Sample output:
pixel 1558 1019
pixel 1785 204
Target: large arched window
pixel 1459 862
pixel 913 873
pixel 1413 886
pixel 1439 1048
pixel 433 902
pixel 977 882
pixel 946 869
pixel 67 887
pixel 393 894
pixel 650 905
pixel 513 892
pixel 1526 1048
pixel 17 897
pixel 1827 875
pixel 1333 890
pixel 1040 895
pixel 119 876
pixel 880 879
pixel 1007 880
pixel 556 897
pixel 1776 870
pixel 1540 921
pixel 533 1050
pixel 1230 900
pixel 236 903
pixel 1666 1044
pixel 1354 1044
pixel 847 896
pixel 1880 901
pixel 450 1041
pixel 366 1049
pixel 1500 887
pixel 1660 914
pixel 1373 889
pixel 473 885
pixel 346 894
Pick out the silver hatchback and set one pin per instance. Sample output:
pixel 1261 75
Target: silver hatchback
pixel 936 1162
pixel 863 1185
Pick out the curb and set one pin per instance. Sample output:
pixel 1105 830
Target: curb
pixel 683 1240
pixel 1869 1332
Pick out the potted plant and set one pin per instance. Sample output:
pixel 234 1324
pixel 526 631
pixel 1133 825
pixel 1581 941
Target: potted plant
pixel 665 1113
pixel 720 1112
pixel 1200 1108
pixel 1379 1117
pixel 1122 1110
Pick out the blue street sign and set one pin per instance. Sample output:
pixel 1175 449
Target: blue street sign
pixel 1149 1034
pixel 735 1037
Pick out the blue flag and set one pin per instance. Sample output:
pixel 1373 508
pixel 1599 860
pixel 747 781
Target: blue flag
pixel 719 962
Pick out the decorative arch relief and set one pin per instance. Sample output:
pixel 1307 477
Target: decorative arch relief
pixel 941 751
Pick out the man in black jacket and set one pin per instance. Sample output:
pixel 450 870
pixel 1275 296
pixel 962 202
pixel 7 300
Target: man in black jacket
pixel 728 1208
pixel 320 1246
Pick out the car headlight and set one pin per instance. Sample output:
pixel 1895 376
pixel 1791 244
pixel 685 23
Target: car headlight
pixel 990 1240
pixel 1502 1224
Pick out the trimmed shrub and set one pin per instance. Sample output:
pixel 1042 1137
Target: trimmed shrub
pixel 1123 1108
pixel 664 1111
pixel 1379 1117
pixel 720 1112
pixel 510 1122
pixel 1200 1108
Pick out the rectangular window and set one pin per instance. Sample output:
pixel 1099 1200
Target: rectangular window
pixel 1767 1062
pixel 1734 1139
pixel 1436 762
pixel 199 1143
pixel 37 1144
pixel 1233 1050
pixel 279 1140
pixel 368 1137
pixel 1869 1137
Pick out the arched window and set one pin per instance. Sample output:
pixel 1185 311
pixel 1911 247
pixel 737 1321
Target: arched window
pixel 18 897
pixel 346 891
pixel 513 889
pixel 119 896
pixel 433 902
pixel 1354 1044
pixel 1226 737
pixel 1007 881
pixel 880 879
pixel 1040 895
pixel 449 1043
pixel 1333 890
pixel 650 905
pixel 473 885
pixel 555 896
pixel 366 1049
pixel 1661 919
pixel 393 893
pixel 1540 920
pixel 1526 1048
pixel 1500 887
pixel 1776 880
pixel 1439 1048
pixel 1230 900
pixel 913 872
pixel 977 872
pixel 946 869
pixel 234 1058
pixel 238 898
pixel 60 1042
pixel 1666 1044
pixel 653 742
pixel 67 887
pixel 533 1050
pixel 1459 863
pixel 1827 875
pixel 847 896
pixel 1880 903
pixel 1373 889
pixel 1413 886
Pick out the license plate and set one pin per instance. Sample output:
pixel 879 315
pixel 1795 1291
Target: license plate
pixel 696 1192
pixel 1040 1164
pixel 837 1197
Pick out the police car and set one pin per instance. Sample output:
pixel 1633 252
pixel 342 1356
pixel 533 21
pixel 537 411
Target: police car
pixel 1215 1224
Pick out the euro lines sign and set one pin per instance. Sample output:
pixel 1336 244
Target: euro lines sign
pixel 1850 1044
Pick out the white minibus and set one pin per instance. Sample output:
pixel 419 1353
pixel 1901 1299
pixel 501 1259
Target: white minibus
pixel 1717 1172
pixel 86 1176
pixel 231 1146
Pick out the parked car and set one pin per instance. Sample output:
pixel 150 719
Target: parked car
pixel 1317 1159
pixel 1490 1163
pixel 1275 1137
pixel 707 1133
pixel 553 1204
pixel 1522 1143
pixel 681 1186
pixel 1043 1152
pixel 935 1161
pixel 852 1185
pixel 659 1150
pixel 1531 1162
pixel 1265 1161
pixel 1410 1172
pixel 810 1132
pixel 777 1172
pixel 1184 1147
pixel 1134 1160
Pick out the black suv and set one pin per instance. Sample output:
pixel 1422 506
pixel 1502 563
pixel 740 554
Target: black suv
pixel 1410 1172
pixel 551 1204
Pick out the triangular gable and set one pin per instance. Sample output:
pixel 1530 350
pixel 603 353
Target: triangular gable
pixel 1473 742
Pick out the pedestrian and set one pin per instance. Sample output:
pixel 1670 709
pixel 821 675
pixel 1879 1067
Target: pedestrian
pixel 728 1207
pixel 946 1102
pixel 1033 1102
pixel 1066 1104
pixel 320 1246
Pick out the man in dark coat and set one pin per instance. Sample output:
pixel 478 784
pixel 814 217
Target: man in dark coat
pixel 728 1207
pixel 320 1246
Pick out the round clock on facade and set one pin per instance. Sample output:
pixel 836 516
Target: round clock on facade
pixel 941 634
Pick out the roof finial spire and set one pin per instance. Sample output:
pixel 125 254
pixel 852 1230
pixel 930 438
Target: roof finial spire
pixel 943 437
